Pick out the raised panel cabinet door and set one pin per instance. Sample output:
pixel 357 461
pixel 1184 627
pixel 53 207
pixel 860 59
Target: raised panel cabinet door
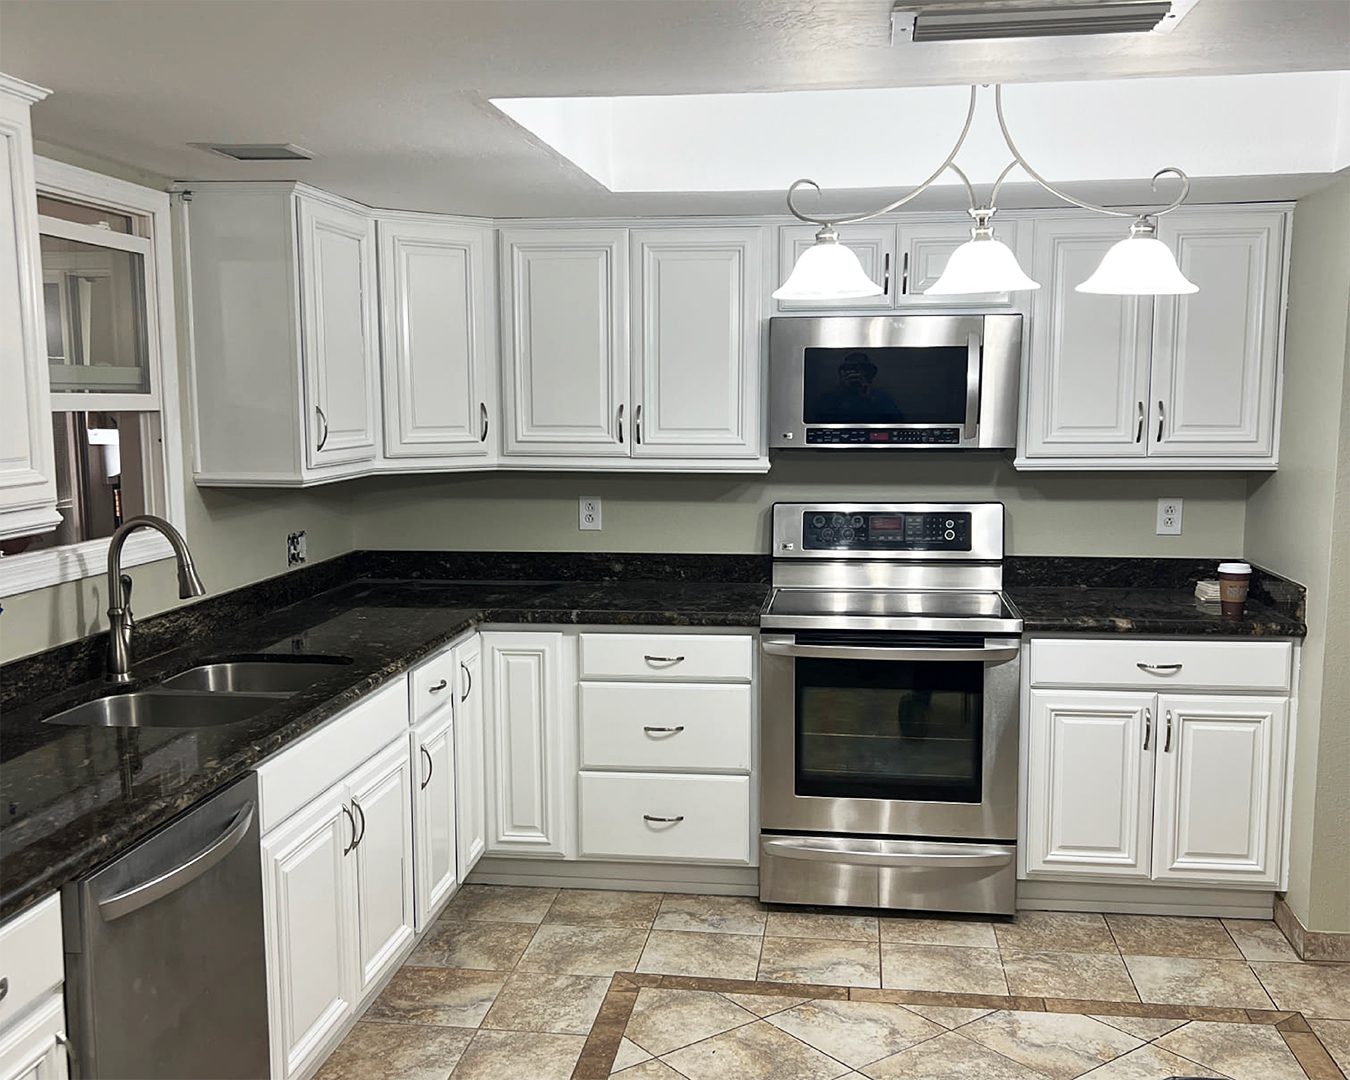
pixel 1216 352
pixel 470 765
pixel 381 799
pixel 530 761
pixel 1088 364
pixel 923 251
pixel 873 244
pixel 31 1048
pixel 1089 782
pixel 310 897
pixel 1218 814
pixel 338 338
pixel 697 382
pixel 434 329
pixel 27 463
pixel 565 342
pixel 434 797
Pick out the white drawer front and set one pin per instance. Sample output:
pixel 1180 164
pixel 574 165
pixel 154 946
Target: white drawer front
pixel 710 817
pixel 646 726
pixel 685 657
pixel 432 684
pixel 30 957
pixel 1162 665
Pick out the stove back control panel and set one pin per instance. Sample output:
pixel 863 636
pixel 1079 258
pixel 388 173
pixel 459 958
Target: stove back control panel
pixel 864 531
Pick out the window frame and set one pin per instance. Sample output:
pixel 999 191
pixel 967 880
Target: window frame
pixel 166 491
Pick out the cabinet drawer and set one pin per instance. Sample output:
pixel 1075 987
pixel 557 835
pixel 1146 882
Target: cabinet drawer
pixel 710 817
pixel 30 957
pixel 682 657
pixel 646 726
pixel 432 684
pixel 1162 665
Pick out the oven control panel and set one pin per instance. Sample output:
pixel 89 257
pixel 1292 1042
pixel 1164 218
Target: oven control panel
pixel 869 531
pixel 917 436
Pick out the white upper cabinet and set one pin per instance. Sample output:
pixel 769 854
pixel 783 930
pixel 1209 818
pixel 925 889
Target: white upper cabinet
pixel 565 341
pixel 436 331
pixel 27 464
pixel 874 245
pixel 696 342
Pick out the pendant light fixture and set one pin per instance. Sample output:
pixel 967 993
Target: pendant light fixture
pixel 1139 265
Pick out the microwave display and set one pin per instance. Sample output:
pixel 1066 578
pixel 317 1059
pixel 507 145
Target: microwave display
pixel 885 385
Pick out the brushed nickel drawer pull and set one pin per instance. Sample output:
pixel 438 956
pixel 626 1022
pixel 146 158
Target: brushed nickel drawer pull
pixel 1167 747
pixel 1148 726
pixel 468 682
pixel 664 730
pixel 351 820
pixel 431 767
pixel 663 820
pixel 323 439
pixel 1139 431
pixel 1159 669
pixel 436 688
pixel 663 659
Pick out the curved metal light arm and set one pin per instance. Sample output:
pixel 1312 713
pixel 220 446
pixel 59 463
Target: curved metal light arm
pixel 851 219
pixel 1018 159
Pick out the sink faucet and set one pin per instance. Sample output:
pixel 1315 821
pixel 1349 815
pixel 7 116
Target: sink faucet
pixel 120 620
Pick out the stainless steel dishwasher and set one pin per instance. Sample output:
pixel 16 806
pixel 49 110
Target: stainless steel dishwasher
pixel 165 965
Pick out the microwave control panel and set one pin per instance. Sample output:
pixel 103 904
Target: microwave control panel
pixel 943 531
pixel 907 436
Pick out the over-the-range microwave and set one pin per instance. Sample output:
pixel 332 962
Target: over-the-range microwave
pixel 893 382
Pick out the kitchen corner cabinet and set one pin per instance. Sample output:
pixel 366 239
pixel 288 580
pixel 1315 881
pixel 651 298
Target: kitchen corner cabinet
pixel 27 461
pixel 1168 382
pixel 434 804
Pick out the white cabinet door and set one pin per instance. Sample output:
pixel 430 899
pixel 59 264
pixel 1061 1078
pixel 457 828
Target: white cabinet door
pixel 435 335
pixel 27 464
pixel 31 1048
pixel 338 313
pixel 470 767
pixel 565 341
pixel 923 251
pixel 1215 352
pixel 434 800
pixel 697 383
pixel 1088 364
pixel 1089 782
pixel 310 906
pixel 381 799
pixel 873 244
pixel 1220 792
pixel 531 758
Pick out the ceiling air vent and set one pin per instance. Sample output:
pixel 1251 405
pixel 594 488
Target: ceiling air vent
pixel 257 151
pixel 983 20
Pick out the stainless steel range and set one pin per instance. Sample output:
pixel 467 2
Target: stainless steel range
pixel 888 711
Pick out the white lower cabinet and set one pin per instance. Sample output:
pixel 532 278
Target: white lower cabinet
pixel 470 748
pixel 668 818
pixel 32 1007
pixel 434 803
pixel 34 1048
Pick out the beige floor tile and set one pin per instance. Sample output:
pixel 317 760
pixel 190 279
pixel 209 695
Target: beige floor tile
pixel 764 1004
pixel 1158 935
pixel 1060 1045
pixel 599 907
pixel 499 904
pixel 810 924
pixel 1146 1027
pixel 665 1020
pixel 1335 1036
pixel 968 932
pixel 713 956
pixel 1260 939
pixel 948 968
pixel 396 1052
pixel 1180 980
pixel 1148 1063
pixel 833 963
pixel 650 1070
pixel 949 1016
pixel 855 1032
pixel 757 1051
pixel 1089 976
pixel 483 946
pixel 515 1055
pixel 629 1054
pixel 445 997
pixel 1056 931
pixel 583 950
pixel 1242 1051
pixel 1321 990
pixel 711 914
pixel 950 1057
pixel 533 1001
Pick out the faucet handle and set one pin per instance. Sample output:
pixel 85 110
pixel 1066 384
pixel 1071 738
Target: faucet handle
pixel 126 599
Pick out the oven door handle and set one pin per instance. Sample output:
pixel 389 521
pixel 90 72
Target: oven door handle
pixel 976 856
pixel 995 654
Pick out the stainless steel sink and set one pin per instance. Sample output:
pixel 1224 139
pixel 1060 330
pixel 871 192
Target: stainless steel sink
pixel 165 709
pixel 253 676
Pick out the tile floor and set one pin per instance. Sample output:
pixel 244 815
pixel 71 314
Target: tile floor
pixel 510 982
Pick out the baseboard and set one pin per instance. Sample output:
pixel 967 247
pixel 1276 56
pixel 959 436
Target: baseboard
pixel 625 876
pixel 1310 944
pixel 1144 899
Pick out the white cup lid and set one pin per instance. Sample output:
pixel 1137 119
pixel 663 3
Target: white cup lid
pixel 1235 568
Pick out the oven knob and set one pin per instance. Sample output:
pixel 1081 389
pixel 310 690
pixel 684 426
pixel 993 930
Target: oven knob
pixel 827 535
pixel 818 520
pixel 951 524
pixel 837 521
pixel 949 535
pixel 848 534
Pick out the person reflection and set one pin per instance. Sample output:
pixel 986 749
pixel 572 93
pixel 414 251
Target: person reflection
pixel 857 396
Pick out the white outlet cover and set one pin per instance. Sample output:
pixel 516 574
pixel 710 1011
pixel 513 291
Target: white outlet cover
pixel 588 513
pixel 1169 517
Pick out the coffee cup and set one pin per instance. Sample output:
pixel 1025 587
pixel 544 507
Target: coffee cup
pixel 1234 580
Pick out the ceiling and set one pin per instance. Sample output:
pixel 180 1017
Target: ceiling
pixel 393 95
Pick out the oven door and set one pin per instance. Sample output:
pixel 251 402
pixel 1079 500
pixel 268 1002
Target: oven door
pixel 890 735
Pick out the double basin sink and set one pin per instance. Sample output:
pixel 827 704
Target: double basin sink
pixel 206 696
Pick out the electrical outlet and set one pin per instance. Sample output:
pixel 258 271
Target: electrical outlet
pixel 1169 517
pixel 589 512
pixel 297 550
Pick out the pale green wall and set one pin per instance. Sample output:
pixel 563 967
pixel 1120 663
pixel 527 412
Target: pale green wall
pixel 1298 523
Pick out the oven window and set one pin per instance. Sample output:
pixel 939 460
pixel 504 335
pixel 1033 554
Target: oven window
pixel 885 385
pixel 890 729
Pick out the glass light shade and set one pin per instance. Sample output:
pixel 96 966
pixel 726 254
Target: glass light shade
pixel 981 265
pixel 827 270
pixel 1138 266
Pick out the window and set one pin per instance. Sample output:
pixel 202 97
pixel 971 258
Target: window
pixel 111 358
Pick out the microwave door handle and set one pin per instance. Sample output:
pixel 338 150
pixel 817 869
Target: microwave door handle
pixel 973 360
pixel 993 654
pixel 975 856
